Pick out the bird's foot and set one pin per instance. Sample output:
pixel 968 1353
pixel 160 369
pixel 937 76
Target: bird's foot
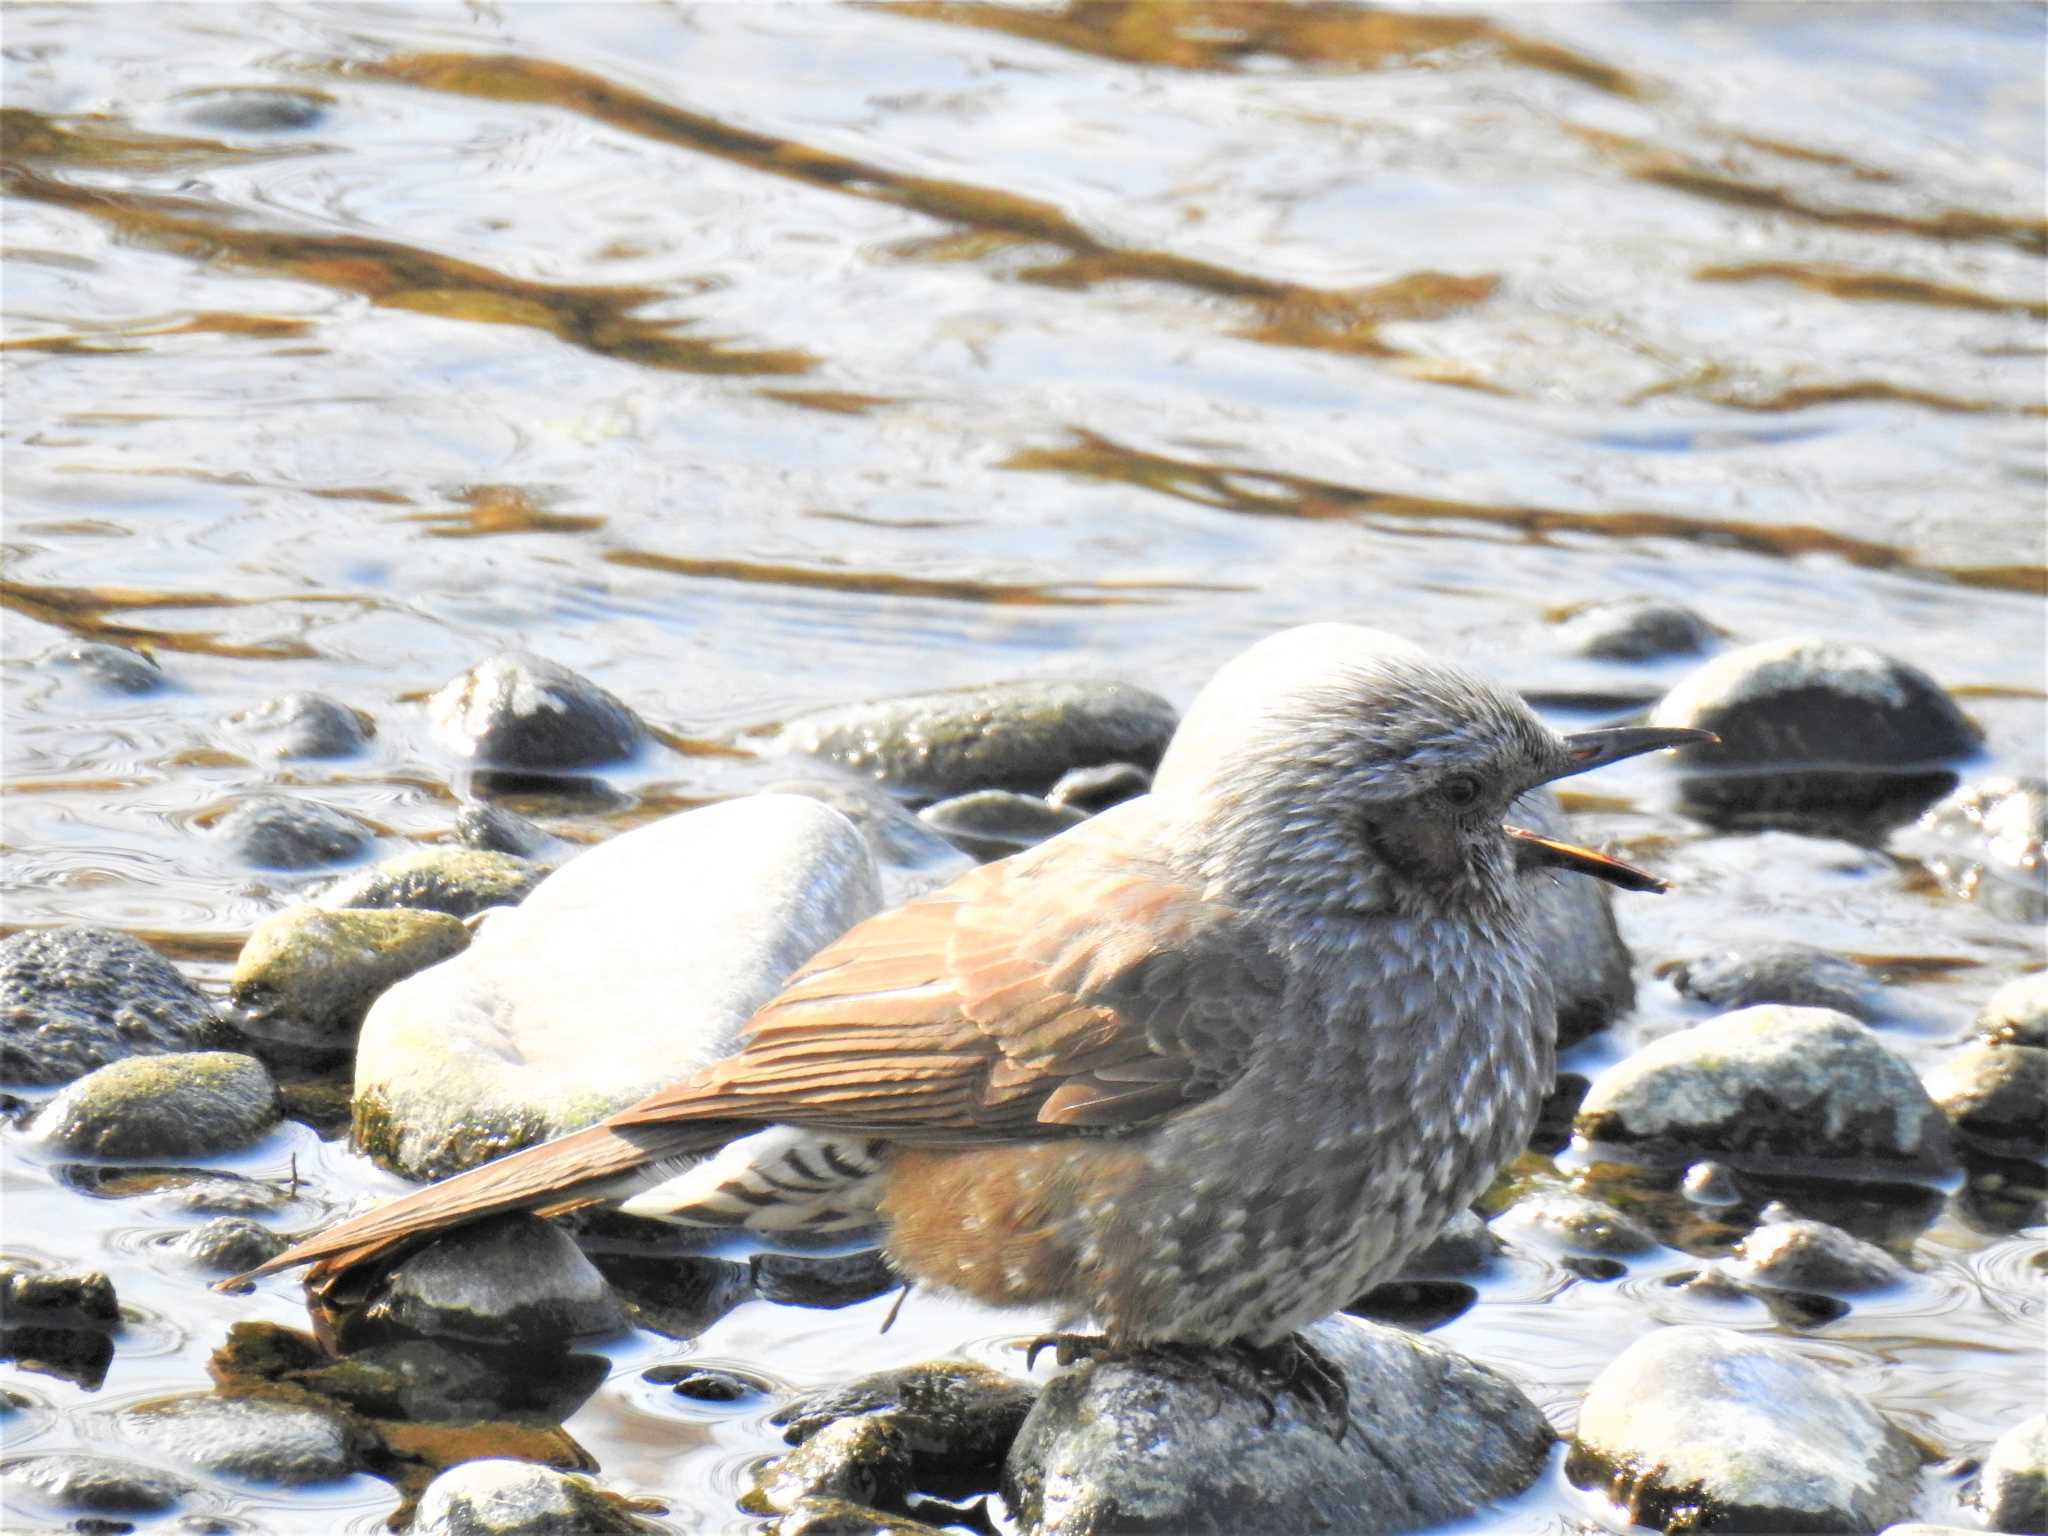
pixel 1066 1348
pixel 1296 1366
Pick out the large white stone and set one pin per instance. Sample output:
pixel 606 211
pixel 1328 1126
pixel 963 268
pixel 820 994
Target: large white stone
pixel 633 965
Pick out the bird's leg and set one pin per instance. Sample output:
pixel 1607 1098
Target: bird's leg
pixel 1066 1348
pixel 1295 1365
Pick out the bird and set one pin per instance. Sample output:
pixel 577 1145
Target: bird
pixel 1203 1068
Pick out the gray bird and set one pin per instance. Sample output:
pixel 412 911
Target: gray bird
pixel 1205 1067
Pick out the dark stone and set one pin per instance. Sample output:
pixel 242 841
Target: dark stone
pixel 1420 1306
pixel 1703 1429
pixel 74 999
pixel 191 1104
pixel 678 1296
pixel 304 725
pixel 952 1418
pixel 501 1497
pixel 433 1381
pixel 290 1444
pixel 1985 843
pixel 1997 1095
pixel 71 1481
pixel 456 882
pixel 230 1245
pixel 821 1280
pixel 1771 1086
pixel 252 109
pixel 274 832
pixel 509 1279
pixel 110 667
pixel 865 1459
pixel 493 829
pixel 81 1355
pixel 2017 1013
pixel 703 1385
pixel 2013 1488
pixel 1466 1246
pixel 1180 1441
pixel 1779 973
pixel 1816 735
pixel 1089 790
pixel 1636 629
pixel 995 823
pixel 73 1299
pixel 1589 965
pixel 1018 735
pixel 524 713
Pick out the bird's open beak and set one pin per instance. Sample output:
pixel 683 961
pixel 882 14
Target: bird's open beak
pixel 1596 749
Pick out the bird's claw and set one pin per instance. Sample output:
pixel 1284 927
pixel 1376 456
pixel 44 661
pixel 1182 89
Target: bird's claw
pixel 1297 1366
pixel 1066 1348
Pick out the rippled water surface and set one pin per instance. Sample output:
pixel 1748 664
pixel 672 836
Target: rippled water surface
pixel 749 358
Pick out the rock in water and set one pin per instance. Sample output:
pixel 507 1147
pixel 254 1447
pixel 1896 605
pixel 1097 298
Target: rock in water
pixel 1816 734
pixel 502 1497
pixel 523 713
pixel 72 999
pixel 186 1105
pixel 1123 1445
pixel 633 965
pixel 1701 1429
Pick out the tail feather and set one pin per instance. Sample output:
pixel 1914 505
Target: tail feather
pixel 547 1176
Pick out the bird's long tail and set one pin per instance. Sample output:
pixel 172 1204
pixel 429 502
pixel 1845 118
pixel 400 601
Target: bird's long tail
pixel 559 1174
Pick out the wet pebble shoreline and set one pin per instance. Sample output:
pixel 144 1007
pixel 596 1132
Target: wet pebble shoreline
pixel 484 1000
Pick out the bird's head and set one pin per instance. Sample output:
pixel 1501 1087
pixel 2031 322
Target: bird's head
pixel 1335 769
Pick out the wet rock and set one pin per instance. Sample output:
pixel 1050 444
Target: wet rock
pixel 259 109
pixel 303 725
pixel 510 1279
pixel 679 1296
pixel 1089 790
pixel 864 1459
pixel 1559 1220
pixel 217 1194
pixel 306 977
pixel 1710 1184
pixel 501 1497
pixel 995 823
pixel 1018 735
pixel 1985 843
pixel 523 713
pixel 493 829
pixel 1997 1095
pixel 70 1481
pixel 188 1105
pixel 70 1299
pixel 110 667
pixel 231 1245
pixel 818 1280
pixel 1771 1084
pixel 1635 629
pixel 1799 1255
pixel 73 999
pixel 1704 1429
pixel 434 1381
pixel 949 1416
pixel 820 1516
pixel 2017 1013
pixel 276 832
pixel 457 882
pixel 1815 733
pixel 284 1443
pixel 1466 1246
pixel 633 965
pixel 1155 1444
pixel 701 1384
pixel 913 857
pixel 2013 1488
pixel 1575 930
pixel 1796 974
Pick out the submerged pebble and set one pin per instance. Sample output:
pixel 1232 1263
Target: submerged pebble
pixel 229 1245
pixel 113 668
pixel 287 1444
pixel 303 725
pixel 1561 1220
pixel 1636 629
pixel 286 833
pixel 493 829
pixel 74 1482
pixel 1771 1083
pixel 73 999
pixel 1797 974
pixel 1702 1428
pixel 1097 788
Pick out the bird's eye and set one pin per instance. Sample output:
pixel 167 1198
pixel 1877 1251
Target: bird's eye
pixel 1460 790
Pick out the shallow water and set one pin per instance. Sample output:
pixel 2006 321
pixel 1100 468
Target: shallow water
pixel 752 358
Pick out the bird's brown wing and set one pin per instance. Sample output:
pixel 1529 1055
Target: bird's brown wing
pixel 1055 992
pixel 1065 990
